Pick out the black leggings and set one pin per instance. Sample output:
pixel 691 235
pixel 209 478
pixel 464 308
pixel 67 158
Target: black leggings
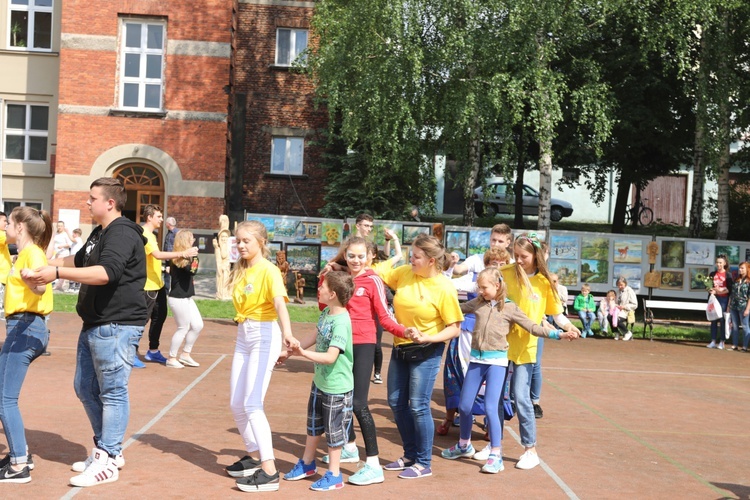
pixel 156 304
pixel 363 358
pixel 378 347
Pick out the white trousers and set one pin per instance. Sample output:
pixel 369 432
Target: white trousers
pixel 189 324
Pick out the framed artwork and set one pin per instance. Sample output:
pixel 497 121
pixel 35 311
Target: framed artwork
pixel 634 275
pixel 594 248
pixel 735 272
pixel 479 241
pixel 699 277
pixel 699 252
pixel 331 233
pixel 274 246
pixel 268 222
pixel 284 228
pixel 327 254
pixel 673 254
pixel 594 271
pixel 563 247
pixel 438 231
pixel 378 232
pixel 234 254
pixel 309 232
pixel 628 251
pixel 303 257
pixel 672 280
pixel 731 251
pixel 566 271
pixel 411 233
pixel 747 255
pixel 457 241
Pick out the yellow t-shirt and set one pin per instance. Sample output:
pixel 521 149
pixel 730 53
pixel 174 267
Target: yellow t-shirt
pixel 429 304
pixel 154 280
pixel 4 258
pixel 381 267
pixel 18 297
pixel 536 305
pixel 253 294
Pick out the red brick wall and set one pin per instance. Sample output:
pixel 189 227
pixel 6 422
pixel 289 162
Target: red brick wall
pixel 276 98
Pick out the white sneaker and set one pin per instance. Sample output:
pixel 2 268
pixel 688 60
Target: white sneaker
pixel 173 363
pixel 720 346
pixel 82 466
pixel 528 460
pixel 627 336
pixel 617 337
pixel 483 454
pixel 712 345
pixel 101 470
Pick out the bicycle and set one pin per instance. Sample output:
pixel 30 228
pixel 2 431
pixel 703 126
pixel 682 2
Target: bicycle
pixel 645 214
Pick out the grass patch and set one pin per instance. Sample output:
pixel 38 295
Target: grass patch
pixel 209 308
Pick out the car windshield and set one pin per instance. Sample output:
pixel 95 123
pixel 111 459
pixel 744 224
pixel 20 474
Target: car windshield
pixel 530 191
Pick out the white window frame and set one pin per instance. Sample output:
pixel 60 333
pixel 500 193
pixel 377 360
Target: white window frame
pixel 26 132
pixel 293 52
pixel 143 51
pixel 289 144
pixel 32 9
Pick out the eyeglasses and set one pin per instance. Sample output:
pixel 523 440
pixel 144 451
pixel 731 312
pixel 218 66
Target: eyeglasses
pixel 368 226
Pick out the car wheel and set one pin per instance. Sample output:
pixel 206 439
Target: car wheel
pixel 555 214
pixel 491 211
pixel 479 209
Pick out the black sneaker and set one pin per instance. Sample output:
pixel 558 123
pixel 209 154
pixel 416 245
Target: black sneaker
pixel 29 462
pixel 244 467
pixel 260 481
pixel 538 413
pixel 7 475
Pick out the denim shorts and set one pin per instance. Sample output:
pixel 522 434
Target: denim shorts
pixel 329 413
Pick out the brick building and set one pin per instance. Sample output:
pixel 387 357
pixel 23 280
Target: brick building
pixel 142 97
pixel 273 117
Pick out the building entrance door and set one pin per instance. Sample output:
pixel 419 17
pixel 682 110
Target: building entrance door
pixel 144 186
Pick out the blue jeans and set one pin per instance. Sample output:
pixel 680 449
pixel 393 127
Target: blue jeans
pixel 104 361
pixel 717 327
pixel 587 318
pixel 410 386
pixel 536 374
pixel 737 318
pixel 26 340
pixel 525 409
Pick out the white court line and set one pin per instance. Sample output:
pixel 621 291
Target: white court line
pixel 74 491
pixel 647 372
pixel 563 486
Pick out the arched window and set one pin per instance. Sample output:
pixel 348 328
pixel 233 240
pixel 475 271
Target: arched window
pixel 144 186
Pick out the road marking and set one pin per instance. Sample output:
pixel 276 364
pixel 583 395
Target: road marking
pixel 563 486
pixel 647 372
pixel 74 491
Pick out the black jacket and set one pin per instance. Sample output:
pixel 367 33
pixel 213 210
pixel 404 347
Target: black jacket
pixel 119 248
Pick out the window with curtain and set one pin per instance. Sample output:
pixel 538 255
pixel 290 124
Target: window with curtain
pixel 290 44
pixel 287 155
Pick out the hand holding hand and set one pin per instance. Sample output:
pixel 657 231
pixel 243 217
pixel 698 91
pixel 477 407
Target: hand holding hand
pixel 283 357
pixel 571 333
pixel 291 343
pixel 454 258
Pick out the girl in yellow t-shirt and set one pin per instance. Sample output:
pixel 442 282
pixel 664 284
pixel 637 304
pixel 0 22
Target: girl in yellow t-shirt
pixel 529 286
pixel 26 307
pixel 259 296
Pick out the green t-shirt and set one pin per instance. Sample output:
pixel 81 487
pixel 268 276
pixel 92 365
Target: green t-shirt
pixel 335 331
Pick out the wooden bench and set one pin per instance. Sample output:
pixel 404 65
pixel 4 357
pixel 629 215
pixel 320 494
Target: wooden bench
pixel 648 313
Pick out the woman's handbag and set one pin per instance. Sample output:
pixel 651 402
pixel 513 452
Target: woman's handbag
pixel 713 309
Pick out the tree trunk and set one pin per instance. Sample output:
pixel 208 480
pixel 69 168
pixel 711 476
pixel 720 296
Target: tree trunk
pixel 471 179
pixel 623 191
pixel 518 194
pixel 545 184
pixel 699 175
pixel 722 225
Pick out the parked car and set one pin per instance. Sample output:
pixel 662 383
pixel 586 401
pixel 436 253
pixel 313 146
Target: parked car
pixel 500 200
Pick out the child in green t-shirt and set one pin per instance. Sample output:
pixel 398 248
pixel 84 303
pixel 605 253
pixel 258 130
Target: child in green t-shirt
pixel 329 408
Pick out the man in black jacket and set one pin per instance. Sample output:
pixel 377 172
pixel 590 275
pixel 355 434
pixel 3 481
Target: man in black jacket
pixel 111 268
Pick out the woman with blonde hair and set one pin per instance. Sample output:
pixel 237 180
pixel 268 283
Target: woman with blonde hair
pixel 260 297
pixel 26 307
pixel 180 300
pixel 427 304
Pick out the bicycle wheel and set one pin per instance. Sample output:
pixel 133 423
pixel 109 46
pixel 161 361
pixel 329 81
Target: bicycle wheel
pixel 646 216
pixel 627 215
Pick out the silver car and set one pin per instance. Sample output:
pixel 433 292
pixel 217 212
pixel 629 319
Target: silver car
pixel 500 200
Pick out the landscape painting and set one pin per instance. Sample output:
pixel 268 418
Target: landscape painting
pixel 303 258
pixel 731 251
pixel 563 247
pixel 699 252
pixel 628 251
pixel 457 241
pixel 594 248
pixel 566 271
pixel 673 253
pixel 594 271
pixel 634 275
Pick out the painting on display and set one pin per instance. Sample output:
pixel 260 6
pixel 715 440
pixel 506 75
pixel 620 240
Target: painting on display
pixel 566 271
pixel 672 280
pixel 563 247
pixel 457 241
pixel 284 228
pixel 274 247
pixel 331 233
pixel 411 233
pixel 594 271
pixel 634 275
pixel 327 254
pixel 735 272
pixel 699 252
pixel 234 253
pixel 268 223
pixel 303 258
pixel 479 241
pixel 699 279
pixel 595 248
pixel 673 253
pixel 379 232
pixel 308 232
pixel 731 251
pixel 628 251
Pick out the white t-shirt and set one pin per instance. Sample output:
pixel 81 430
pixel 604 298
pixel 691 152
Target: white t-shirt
pixel 59 240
